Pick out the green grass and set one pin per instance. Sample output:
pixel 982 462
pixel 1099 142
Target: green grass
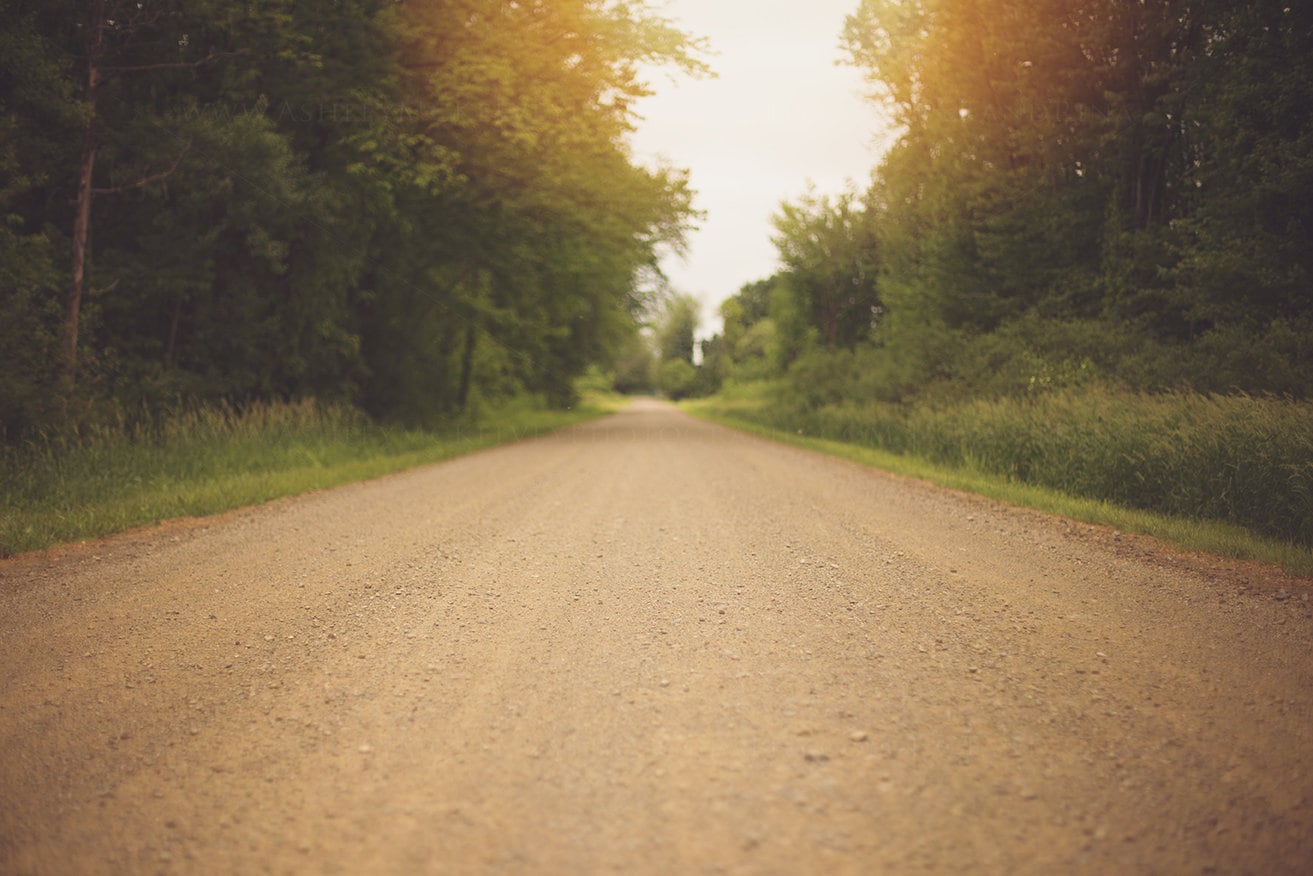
pixel 208 460
pixel 1261 450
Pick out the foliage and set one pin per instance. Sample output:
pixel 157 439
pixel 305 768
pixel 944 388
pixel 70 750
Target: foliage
pixel 714 367
pixel 1090 249
pixel 676 378
pixel 202 460
pixel 746 407
pixel 828 249
pixel 676 327
pixel 1079 191
pixel 635 364
pixel 673 340
pixel 1239 459
pixel 1144 164
pixel 405 207
pixel 748 333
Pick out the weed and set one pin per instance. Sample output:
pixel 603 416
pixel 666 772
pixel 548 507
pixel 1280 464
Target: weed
pixel 204 460
pixel 1245 463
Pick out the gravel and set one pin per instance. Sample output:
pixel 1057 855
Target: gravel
pixel 646 645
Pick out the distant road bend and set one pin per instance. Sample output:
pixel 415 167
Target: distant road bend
pixel 650 645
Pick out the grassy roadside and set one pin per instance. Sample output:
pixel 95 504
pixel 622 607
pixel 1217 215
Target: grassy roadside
pixel 1215 537
pixel 208 461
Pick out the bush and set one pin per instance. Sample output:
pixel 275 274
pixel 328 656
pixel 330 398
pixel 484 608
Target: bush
pixel 633 368
pixel 1234 458
pixel 819 377
pixel 676 378
pixel 751 355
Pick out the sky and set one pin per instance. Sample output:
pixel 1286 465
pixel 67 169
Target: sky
pixel 781 114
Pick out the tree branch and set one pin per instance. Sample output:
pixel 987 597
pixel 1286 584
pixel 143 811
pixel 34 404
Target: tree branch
pixel 146 180
pixel 174 65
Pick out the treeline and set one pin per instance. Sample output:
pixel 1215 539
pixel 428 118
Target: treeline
pixel 399 205
pixel 1083 191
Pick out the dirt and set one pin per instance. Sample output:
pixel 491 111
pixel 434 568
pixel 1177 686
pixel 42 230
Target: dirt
pixel 650 645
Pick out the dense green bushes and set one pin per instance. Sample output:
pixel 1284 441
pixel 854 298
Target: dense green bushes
pixel 1033 355
pixel 1239 459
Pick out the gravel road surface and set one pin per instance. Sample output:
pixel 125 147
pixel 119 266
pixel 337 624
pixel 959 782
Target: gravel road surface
pixel 650 645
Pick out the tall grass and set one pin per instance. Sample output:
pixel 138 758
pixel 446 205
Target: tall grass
pixel 203 460
pixel 1238 459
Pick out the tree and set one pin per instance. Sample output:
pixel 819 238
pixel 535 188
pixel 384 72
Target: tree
pixel 634 364
pixel 528 105
pixel 39 113
pixel 676 327
pixel 1139 164
pixel 404 205
pixel 828 248
pixel 1246 193
pixel 115 35
pixel 676 378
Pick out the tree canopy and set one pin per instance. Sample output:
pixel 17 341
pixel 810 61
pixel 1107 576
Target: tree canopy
pixel 398 204
pixel 1077 189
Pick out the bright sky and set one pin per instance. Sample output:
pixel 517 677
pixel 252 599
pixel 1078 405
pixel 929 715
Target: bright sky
pixel 780 114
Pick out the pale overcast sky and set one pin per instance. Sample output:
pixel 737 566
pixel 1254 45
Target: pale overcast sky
pixel 780 114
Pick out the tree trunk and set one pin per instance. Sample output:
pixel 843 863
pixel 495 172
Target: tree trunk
pixel 82 212
pixel 1150 186
pixel 171 339
pixel 467 365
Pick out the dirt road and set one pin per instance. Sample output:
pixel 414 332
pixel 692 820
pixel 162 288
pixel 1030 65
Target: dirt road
pixel 650 645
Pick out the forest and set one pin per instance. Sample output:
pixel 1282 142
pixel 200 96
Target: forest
pixel 403 207
pixel 1081 191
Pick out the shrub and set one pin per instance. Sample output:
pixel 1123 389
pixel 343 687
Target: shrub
pixel 676 378
pixel 1235 458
